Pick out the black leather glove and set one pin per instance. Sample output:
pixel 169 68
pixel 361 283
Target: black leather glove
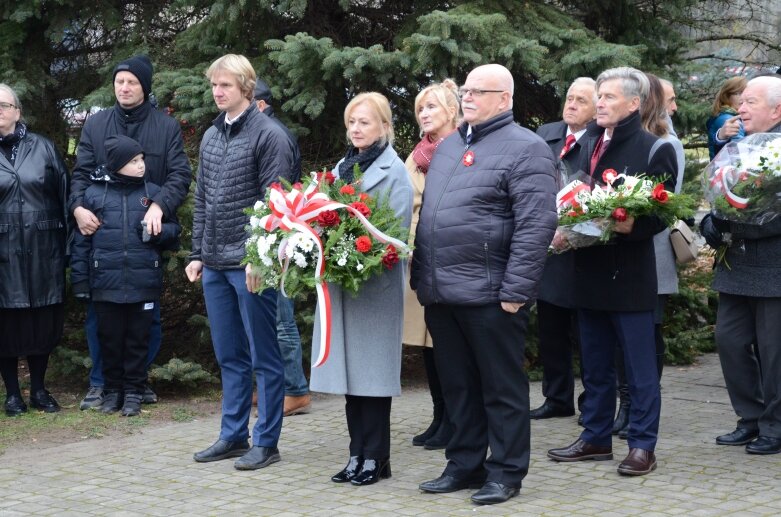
pixel 721 225
pixel 711 233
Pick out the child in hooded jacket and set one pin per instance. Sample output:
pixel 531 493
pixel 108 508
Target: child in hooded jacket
pixel 120 268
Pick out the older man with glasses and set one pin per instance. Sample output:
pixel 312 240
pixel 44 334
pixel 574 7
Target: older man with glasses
pixel 486 221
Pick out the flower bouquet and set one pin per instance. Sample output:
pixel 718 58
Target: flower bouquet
pixel 587 215
pixel 743 182
pixel 324 230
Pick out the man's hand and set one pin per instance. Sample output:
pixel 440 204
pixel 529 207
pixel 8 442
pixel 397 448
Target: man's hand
pixel 511 307
pixel 154 219
pixel 86 220
pixel 253 279
pixel 560 242
pixel 624 227
pixel 194 270
pixel 730 128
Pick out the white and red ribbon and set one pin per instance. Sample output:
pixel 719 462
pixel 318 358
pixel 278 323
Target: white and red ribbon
pixel 723 180
pixel 568 195
pixel 295 210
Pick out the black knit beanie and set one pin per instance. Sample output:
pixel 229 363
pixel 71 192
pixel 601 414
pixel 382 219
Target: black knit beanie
pixel 120 149
pixel 141 67
pixel 262 91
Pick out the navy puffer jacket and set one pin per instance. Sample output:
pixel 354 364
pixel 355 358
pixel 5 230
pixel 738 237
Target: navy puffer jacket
pixel 237 163
pixel 485 224
pixel 114 264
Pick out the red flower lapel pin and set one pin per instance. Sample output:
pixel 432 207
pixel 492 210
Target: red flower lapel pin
pixel 469 158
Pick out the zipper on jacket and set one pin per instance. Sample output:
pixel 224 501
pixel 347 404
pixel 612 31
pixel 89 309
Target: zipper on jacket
pixel 487 264
pixel 22 254
pixel 217 190
pixel 433 226
pixel 124 239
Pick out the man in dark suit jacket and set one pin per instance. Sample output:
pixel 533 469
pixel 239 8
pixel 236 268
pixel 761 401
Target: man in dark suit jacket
pixel 615 285
pixel 555 301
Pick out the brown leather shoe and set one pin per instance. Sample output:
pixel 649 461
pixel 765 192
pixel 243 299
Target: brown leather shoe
pixel 637 463
pixel 580 450
pixel 296 405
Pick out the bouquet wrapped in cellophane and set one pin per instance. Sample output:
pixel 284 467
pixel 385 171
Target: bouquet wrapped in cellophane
pixel 588 214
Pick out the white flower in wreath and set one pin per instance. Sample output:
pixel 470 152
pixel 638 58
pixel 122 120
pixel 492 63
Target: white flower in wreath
pixel 307 245
pixel 263 246
pixel 254 222
pixel 299 259
pixel 359 267
pixel 342 261
pixel 259 205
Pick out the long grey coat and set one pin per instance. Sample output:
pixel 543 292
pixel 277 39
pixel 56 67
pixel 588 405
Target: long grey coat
pixel 365 357
pixel 666 271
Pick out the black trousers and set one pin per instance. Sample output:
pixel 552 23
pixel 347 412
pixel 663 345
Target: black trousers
pixel 558 338
pixel 368 422
pixel 747 326
pixel 479 356
pixel 123 333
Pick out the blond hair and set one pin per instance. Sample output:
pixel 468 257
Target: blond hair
pixel 728 88
pixel 240 67
pixel 380 106
pixel 446 94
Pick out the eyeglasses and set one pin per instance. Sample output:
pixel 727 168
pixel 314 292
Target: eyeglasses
pixel 476 92
pixel 4 106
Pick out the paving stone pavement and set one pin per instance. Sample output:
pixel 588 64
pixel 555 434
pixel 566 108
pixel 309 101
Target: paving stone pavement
pixel 152 472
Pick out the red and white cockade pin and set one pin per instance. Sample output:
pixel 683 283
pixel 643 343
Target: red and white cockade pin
pixel 469 158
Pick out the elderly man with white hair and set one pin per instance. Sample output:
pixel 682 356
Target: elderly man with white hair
pixel 749 313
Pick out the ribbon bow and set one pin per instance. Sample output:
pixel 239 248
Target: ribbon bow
pixel 295 210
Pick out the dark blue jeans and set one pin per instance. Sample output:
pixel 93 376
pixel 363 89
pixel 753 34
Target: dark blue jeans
pixel 290 347
pixel 93 344
pixel 244 335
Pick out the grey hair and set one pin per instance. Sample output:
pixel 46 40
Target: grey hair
pixel 585 81
pixel 634 83
pixel 773 84
pixel 667 82
pixel 10 91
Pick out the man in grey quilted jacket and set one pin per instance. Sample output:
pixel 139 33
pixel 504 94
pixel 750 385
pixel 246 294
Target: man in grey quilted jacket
pixel 487 218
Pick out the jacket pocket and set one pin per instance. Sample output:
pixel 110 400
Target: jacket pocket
pixel 487 258
pixel 4 242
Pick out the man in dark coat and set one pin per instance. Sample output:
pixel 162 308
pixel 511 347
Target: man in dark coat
pixel 556 300
pixel 487 218
pixel 297 398
pixel 160 136
pixel 615 286
pixel 241 154
pixel 749 286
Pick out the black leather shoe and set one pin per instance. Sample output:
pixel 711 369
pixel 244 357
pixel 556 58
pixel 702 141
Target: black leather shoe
pixel 445 484
pixel 580 420
pixel 420 439
pixel 372 471
pixel 624 432
pixel 550 409
pixel 494 493
pixel 257 458
pixel 44 401
pixel 441 438
pixel 580 450
pixel 740 436
pixel 350 470
pixel 764 445
pixel 112 401
pixel 149 395
pixel 220 450
pixel 14 405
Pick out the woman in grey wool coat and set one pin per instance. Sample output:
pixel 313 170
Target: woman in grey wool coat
pixel 364 363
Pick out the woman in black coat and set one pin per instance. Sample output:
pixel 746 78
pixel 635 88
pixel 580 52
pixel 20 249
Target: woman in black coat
pixel 33 235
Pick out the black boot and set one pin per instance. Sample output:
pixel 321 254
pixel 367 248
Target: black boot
pixel 622 417
pixel 436 396
pixel 440 439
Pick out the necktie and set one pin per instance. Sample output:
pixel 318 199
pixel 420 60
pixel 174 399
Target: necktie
pixel 599 150
pixel 568 143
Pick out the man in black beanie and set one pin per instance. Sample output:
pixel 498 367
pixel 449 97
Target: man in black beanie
pixel 161 137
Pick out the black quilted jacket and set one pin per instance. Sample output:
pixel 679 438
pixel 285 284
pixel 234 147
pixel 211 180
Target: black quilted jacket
pixel 237 163
pixel 485 228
